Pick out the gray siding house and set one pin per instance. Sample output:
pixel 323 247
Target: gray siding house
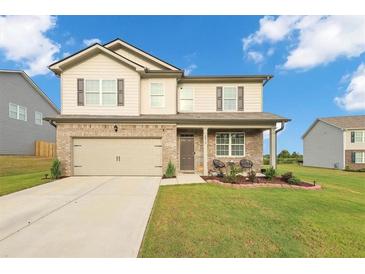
pixel 335 142
pixel 22 108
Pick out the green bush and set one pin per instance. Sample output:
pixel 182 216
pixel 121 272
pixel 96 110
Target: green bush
pixel 170 170
pixel 232 175
pixel 287 176
pixel 294 180
pixel 251 176
pixel 56 169
pixel 270 173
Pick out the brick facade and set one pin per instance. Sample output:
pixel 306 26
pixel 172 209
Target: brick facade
pixel 170 142
pixel 348 160
pixel 253 147
pixel 67 131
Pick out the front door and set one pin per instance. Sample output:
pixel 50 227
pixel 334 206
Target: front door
pixel 187 152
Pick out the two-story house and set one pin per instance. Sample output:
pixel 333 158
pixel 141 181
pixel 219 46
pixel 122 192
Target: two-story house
pixel 127 112
pixel 335 142
pixel 23 105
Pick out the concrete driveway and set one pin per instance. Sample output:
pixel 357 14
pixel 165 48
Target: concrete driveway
pixel 77 217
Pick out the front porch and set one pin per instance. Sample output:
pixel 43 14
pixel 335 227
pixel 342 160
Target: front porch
pixel 197 146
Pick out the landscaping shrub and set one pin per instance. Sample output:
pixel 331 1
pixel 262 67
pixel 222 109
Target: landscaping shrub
pixel 56 169
pixel 287 176
pixel 170 170
pixel 231 177
pixel 294 180
pixel 251 176
pixel 270 173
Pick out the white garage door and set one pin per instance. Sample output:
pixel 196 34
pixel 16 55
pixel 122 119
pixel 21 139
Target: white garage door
pixel 142 157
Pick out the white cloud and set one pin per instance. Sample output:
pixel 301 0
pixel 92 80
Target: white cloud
pixel 354 97
pixel 70 41
pixel 23 40
pixel 271 29
pixel 88 42
pixel 313 40
pixel 66 54
pixel 270 52
pixel 255 56
pixel 188 70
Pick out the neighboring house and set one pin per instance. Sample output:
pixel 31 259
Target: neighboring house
pixel 335 142
pixel 127 112
pixel 22 109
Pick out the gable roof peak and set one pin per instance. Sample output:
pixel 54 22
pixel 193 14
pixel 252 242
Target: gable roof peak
pixel 122 43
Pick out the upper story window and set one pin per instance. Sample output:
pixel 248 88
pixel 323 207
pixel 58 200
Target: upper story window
pixel 101 92
pixel 229 99
pixel 157 94
pixel 17 112
pixel 186 99
pixel 230 144
pixel 358 136
pixel 38 118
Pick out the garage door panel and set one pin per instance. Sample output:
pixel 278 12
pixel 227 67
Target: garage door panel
pixel 117 157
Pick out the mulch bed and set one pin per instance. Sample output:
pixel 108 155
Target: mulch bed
pixel 242 182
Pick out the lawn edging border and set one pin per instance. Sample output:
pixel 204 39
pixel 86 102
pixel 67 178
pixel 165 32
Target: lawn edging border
pixel 255 185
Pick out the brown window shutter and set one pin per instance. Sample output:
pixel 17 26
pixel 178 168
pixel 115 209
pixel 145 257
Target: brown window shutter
pixel 352 137
pixel 80 92
pixel 240 99
pixel 219 98
pixel 120 92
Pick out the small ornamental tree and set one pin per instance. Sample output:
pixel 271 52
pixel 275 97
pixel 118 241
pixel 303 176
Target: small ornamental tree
pixel 56 169
pixel 170 170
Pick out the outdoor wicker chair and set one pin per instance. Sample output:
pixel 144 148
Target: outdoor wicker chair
pixel 219 165
pixel 246 164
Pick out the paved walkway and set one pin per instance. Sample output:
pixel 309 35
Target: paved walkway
pixel 77 217
pixel 183 178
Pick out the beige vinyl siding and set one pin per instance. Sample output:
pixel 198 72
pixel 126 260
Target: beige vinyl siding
pixel 323 146
pixel 136 58
pixel 97 67
pixel 352 146
pixel 169 87
pixel 205 95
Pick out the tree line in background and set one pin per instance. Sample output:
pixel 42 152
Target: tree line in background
pixel 285 157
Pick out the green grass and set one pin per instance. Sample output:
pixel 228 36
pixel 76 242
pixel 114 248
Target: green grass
pixel 20 172
pixel 215 221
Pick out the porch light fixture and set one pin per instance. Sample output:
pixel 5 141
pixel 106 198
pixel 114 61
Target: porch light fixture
pixel 115 128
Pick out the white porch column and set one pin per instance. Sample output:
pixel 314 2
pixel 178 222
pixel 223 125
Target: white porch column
pixel 205 151
pixel 273 147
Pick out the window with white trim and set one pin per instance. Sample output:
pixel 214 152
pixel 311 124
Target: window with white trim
pixel 230 144
pixel 17 112
pixel 157 95
pixel 186 99
pixel 359 136
pixel 38 118
pixel 229 98
pixel 100 92
pixel 360 157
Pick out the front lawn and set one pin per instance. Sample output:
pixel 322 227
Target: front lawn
pixel 213 221
pixel 20 172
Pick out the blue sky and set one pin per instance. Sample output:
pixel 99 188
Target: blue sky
pixel 313 59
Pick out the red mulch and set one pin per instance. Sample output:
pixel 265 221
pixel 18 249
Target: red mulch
pixel 244 181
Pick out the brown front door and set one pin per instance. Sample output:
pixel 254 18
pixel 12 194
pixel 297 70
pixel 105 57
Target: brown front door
pixel 187 152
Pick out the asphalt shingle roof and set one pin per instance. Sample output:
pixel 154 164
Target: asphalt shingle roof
pixel 344 122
